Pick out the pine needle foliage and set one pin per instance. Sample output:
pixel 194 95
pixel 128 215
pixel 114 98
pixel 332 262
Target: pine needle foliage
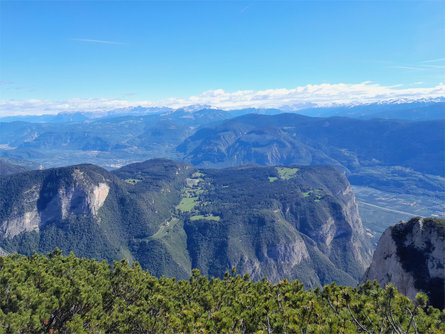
pixel 67 294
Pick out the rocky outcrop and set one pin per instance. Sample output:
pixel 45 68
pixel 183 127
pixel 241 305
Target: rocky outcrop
pixel 411 255
pixel 3 252
pixel 294 222
pixel 305 226
pixel 47 201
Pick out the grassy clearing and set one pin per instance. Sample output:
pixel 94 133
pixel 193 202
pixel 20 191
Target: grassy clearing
pixel 172 236
pixel 201 217
pixel 164 229
pixel 286 173
pixel 273 178
pixel 315 194
pixel 187 204
pixel 198 174
pixel 190 195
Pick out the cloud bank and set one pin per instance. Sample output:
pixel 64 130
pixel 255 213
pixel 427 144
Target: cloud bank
pixel 323 95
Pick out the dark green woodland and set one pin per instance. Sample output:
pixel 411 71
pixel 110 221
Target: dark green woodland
pixel 294 222
pixel 67 294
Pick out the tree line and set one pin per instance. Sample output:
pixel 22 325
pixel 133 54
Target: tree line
pixel 65 294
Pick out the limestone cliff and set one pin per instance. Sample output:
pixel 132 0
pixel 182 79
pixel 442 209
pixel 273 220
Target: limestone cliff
pixel 411 255
pixel 3 252
pixel 42 202
pixel 293 222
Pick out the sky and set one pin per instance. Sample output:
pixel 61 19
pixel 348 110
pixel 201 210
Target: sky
pixel 72 55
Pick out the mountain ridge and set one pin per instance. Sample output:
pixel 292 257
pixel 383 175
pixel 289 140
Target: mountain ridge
pixel 172 217
pixel 343 142
pixel 413 109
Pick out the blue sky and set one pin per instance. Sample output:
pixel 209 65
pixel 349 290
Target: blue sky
pixel 148 50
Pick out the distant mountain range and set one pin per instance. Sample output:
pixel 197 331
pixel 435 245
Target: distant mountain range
pixel 396 166
pixel 172 217
pixel 270 210
pixel 415 110
pixel 181 134
pixel 420 110
pixel 343 142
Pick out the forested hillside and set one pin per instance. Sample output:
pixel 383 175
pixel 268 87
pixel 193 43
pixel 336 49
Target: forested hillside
pixel 347 143
pixel 8 168
pixel 212 138
pixel 109 141
pixel 396 165
pixel 59 294
pixel 294 222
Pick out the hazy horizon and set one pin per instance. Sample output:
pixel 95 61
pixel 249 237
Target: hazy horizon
pixel 60 56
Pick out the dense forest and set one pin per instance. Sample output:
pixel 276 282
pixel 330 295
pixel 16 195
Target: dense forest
pixel 171 217
pixel 67 294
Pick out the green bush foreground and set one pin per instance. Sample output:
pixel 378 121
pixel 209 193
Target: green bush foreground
pixel 66 294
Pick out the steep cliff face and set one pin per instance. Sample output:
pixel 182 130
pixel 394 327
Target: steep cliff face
pixel 294 222
pixel 3 252
pixel 49 198
pixel 85 209
pixel 411 255
pixel 277 222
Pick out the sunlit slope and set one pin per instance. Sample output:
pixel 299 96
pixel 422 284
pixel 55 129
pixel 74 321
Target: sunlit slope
pixel 274 222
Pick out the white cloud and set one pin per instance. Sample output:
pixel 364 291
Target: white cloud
pixel 412 68
pixel 425 65
pixel 322 95
pixel 438 60
pixel 441 67
pixel 97 41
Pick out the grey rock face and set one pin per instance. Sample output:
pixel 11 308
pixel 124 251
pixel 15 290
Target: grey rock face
pixel 274 222
pixel 81 197
pixel 3 252
pixel 411 255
